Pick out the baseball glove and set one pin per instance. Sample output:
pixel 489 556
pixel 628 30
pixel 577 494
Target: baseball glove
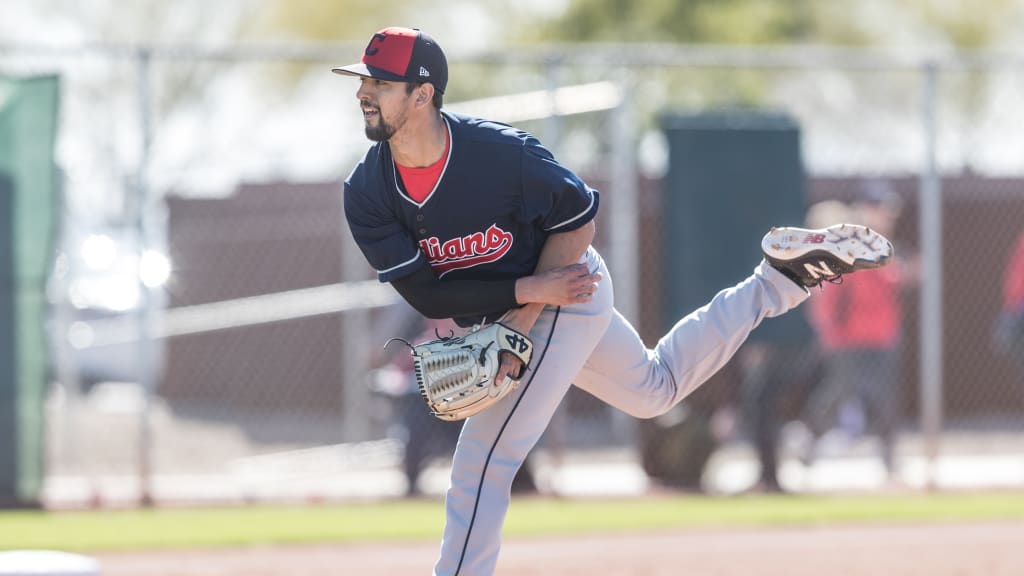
pixel 456 374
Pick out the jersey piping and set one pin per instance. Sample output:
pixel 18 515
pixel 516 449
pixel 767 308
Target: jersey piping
pixel 406 263
pixel 394 171
pixel 576 217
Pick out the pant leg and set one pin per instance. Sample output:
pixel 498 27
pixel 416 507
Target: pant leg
pixel 494 443
pixel 623 372
pixel 759 391
pixel 773 374
pixel 880 393
pixel 840 386
pixel 417 449
pixel 1016 352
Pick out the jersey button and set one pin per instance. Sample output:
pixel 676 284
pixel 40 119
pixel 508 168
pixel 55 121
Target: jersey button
pixel 419 217
pixel 423 230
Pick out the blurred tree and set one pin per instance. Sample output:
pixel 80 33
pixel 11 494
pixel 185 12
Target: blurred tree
pixel 317 20
pixel 462 26
pixel 960 23
pixel 691 21
pixel 974 24
pixel 461 22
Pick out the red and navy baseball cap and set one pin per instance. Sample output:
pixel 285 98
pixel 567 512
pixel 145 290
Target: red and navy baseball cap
pixel 401 55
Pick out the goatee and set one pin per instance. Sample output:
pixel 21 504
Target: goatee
pixel 381 132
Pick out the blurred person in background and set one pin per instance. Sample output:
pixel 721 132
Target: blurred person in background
pixel 1009 332
pixel 779 365
pixel 423 436
pixel 859 328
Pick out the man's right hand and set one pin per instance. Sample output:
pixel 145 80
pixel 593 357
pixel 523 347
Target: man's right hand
pixel 572 284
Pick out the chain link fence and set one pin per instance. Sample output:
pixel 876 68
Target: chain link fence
pixel 248 364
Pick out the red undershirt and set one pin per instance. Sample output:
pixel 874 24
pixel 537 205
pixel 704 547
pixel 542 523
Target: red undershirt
pixel 420 182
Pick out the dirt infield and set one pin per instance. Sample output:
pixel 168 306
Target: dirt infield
pixel 961 549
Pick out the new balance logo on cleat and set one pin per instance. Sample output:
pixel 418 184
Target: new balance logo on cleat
pixel 819 269
pixel 809 257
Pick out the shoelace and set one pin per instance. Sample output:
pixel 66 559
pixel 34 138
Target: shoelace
pixel 837 280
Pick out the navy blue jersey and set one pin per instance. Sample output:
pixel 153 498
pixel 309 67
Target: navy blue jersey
pixel 498 198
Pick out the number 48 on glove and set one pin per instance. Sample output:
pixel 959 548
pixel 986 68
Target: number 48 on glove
pixel 456 375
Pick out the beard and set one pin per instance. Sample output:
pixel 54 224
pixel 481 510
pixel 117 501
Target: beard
pixel 381 132
pixel 384 130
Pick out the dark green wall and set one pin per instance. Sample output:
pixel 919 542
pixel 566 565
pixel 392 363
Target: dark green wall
pixel 732 175
pixel 8 367
pixel 28 129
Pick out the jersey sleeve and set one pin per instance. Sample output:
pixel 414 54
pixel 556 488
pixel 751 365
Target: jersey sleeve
pixel 387 245
pixel 553 195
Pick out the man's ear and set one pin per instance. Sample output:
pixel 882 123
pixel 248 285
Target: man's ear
pixel 424 93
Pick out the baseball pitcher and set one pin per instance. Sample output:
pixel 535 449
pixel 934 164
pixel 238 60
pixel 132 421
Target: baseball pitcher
pixel 475 220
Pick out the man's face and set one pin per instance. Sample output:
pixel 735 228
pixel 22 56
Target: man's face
pixel 879 216
pixel 385 107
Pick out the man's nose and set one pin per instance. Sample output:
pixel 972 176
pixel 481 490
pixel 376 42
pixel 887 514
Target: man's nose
pixel 363 93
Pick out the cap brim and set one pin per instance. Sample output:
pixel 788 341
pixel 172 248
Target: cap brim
pixel 360 69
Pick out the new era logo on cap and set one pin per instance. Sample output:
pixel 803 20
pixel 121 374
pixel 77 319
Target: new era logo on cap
pixel 401 55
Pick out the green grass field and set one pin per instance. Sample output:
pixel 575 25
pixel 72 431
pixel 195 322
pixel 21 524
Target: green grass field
pixel 92 531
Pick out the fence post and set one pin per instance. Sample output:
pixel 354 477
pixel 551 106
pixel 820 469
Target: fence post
pixel 553 125
pixel 930 224
pixel 623 202
pixel 144 341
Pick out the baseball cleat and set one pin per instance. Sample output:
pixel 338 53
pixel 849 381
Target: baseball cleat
pixel 809 257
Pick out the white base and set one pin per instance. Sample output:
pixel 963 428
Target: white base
pixel 46 562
